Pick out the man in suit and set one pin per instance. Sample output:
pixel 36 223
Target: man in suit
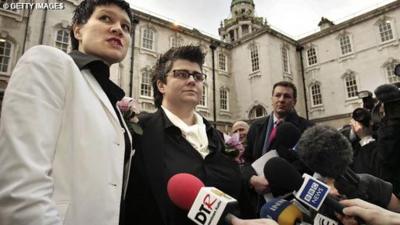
pixel 262 132
pixel 63 142
pixel 176 139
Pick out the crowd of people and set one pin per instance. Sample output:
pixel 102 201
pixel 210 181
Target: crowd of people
pixel 69 154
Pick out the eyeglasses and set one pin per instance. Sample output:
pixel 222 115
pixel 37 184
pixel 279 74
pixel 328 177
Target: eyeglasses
pixel 185 74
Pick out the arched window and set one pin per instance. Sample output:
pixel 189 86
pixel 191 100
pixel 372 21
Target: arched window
pixel 5 55
pixel 176 41
pixel 224 99
pixel 351 85
pixel 62 39
pixel 316 95
pixel 385 30
pixel 257 111
pixel 389 69
pixel 145 84
pixel 222 61
pixel 285 59
pixel 255 66
pixel 203 100
pixel 148 39
pixel 312 56
pixel 345 44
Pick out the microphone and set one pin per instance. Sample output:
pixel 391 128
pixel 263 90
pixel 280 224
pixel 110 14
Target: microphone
pixel 366 187
pixel 282 211
pixel 326 151
pixel 206 205
pixel 283 177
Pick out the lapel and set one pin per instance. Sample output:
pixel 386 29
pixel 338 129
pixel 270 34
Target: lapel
pixel 153 155
pixel 94 85
pixel 264 132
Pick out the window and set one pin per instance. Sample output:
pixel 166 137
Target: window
pixel 345 44
pixel 311 56
pixel 254 58
pixel 385 31
pixel 351 86
pixel 203 100
pixel 145 85
pixel 176 42
pixel 285 59
pixel 222 61
pixel 62 40
pixel 391 77
pixel 8 2
pixel 148 38
pixel 245 29
pixel 223 99
pixel 257 111
pixel 316 95
pixel 5 55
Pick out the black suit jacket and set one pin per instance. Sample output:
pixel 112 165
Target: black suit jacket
pixel 162 152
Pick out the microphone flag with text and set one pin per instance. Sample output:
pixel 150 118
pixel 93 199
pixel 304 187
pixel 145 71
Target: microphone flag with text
pixel 206 205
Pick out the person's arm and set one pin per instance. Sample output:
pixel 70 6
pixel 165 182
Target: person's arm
pixel 259 183
pixel 371 214
pixel 30 123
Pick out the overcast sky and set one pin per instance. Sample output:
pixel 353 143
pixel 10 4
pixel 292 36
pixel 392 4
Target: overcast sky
pixel 295 18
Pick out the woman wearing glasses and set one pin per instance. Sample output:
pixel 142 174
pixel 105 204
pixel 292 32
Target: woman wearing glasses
pixel 176 139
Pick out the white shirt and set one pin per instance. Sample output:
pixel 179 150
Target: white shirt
pixel 195 134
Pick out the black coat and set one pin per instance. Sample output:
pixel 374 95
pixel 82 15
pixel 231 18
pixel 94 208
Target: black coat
pixel 162 152
pixel 256 138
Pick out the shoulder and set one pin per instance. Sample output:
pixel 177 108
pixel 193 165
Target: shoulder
pixel 259 122
pixel 48 53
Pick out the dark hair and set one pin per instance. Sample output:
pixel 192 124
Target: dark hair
pixel 286 84
pixel 165 62
pixel 85 9
pixel 362 116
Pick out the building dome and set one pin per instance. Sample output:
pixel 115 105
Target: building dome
pixel 235 2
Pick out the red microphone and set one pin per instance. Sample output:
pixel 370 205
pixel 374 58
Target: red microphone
pixel 183 188
pixel 206 205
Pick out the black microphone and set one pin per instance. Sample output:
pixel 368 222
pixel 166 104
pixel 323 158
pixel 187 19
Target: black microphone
pixel 283 177
pixel 326 151
pixel 366 187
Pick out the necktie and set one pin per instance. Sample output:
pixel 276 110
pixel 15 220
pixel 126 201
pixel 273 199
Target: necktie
pixel 273 132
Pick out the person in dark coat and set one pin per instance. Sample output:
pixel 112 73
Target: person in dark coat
pixel 176 139
pixel 263 131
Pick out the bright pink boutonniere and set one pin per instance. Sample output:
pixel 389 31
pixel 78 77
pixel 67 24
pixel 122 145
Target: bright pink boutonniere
pixel 130 108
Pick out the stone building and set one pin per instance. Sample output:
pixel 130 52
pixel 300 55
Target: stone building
pixel 328 67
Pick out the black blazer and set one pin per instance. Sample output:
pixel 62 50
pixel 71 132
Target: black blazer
pixel 162 152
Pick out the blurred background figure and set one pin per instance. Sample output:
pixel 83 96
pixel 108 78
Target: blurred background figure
pixel 242 128
pixel 365 152
pixel 237 141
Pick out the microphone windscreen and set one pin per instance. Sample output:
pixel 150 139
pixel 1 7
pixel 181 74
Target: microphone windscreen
pixel 325 150
pixel 183 188
pixel 282 176
pixel 287 135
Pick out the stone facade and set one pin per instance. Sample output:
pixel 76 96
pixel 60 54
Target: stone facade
pixel 328 67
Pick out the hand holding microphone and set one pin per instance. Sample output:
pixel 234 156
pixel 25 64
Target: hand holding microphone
pixel 371 214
